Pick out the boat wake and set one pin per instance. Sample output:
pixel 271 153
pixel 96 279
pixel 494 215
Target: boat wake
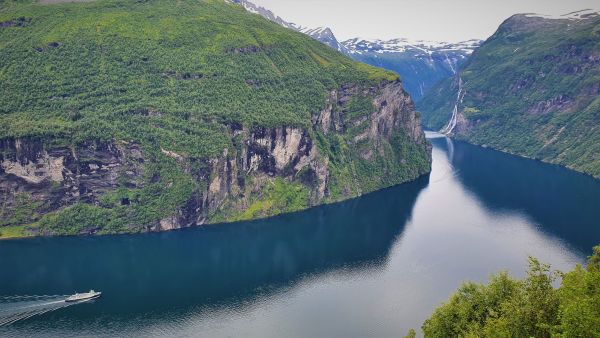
pixel 17 308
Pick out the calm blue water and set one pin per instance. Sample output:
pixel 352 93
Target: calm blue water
pixel 371 267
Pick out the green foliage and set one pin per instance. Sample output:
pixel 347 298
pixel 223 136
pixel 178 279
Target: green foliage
pixel 16 231
pixel 363 167
pixel 80 218
pixel 146 205
pixel 506 307
pixel 24 210
pixel 277 197
pixel 579 295
pixel 359 105
pixel 530 89
pixel 411 334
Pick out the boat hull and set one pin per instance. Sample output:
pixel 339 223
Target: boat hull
pixel 73 299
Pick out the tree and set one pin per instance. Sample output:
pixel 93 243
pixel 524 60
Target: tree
pixel 532 307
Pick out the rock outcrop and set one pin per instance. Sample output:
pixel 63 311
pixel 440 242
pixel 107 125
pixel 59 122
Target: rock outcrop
pixel 61 176
pixel 56 177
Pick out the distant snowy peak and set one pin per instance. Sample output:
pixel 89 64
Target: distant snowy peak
pixel 578 15
pixel 359 46
pixel 319 31
pixel 323 34
pixel 253 8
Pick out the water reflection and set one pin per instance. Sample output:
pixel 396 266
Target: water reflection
pixel 560 202
pixel 221 264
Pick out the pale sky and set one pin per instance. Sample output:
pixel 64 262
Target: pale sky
pixel 438 20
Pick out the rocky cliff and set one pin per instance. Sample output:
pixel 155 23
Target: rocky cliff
pixel 348 149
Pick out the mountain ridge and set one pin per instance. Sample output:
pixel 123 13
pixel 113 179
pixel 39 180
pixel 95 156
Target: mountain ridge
pixel 322 34
pixel 420 64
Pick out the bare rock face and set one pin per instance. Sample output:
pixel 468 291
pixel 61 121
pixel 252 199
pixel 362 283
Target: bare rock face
pixel 558 103
pixel 285 152
pixel 265 153
pixel 42 168
pixel 62 176
pixel 58 177
pixel 329 118
pixel 395 112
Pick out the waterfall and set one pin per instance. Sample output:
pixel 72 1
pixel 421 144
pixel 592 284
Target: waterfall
pixel 452 123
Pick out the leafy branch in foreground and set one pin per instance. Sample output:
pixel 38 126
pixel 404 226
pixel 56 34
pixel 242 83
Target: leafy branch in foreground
pixel 531 307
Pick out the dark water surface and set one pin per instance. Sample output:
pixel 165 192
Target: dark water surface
pixel 371 267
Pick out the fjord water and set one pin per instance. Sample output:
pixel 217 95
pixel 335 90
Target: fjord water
pixel 373 266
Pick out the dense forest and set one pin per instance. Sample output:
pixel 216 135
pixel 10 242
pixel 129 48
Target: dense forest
pixel 95 71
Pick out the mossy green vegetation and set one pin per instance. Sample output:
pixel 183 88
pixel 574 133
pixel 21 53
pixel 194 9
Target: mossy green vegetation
pixel 530 89
pixel 529 307
pixel 277 197
pixel 351 173
pixel 23 211
pixel 16 231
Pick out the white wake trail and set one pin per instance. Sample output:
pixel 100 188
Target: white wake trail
pixel 17 308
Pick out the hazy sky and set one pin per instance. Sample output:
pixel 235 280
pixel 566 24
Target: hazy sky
pixel 442 20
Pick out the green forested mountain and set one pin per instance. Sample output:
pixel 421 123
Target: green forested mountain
pixel 533 88
pixel 122 116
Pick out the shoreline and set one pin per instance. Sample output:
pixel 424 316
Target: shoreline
pixel 26 236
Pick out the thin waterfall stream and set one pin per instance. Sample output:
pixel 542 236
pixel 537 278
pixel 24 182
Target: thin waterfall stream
pixel 453 119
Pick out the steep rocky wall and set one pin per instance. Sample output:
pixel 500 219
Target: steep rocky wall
pixel 53 178
pixel 61 176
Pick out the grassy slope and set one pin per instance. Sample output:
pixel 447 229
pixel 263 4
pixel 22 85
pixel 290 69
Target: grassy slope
pixel 525 62
pixel 161 74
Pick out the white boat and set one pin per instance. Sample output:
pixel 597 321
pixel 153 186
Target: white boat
pixel 79 297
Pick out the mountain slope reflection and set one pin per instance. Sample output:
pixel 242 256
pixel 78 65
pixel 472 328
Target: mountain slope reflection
pixel 562 201
pixel 214 264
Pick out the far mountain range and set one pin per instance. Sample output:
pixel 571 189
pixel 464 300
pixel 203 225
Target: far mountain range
pixel 420 64
pixel 532 88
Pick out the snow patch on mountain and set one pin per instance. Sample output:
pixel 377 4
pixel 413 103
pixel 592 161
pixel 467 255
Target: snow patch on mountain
pixel 402 45
pixel 421 64
pixel 578 15
pixel 323 34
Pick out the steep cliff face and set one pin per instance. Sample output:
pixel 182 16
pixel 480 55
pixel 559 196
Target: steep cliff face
pixel 365 138
pixel 531 89
pixel 44 178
